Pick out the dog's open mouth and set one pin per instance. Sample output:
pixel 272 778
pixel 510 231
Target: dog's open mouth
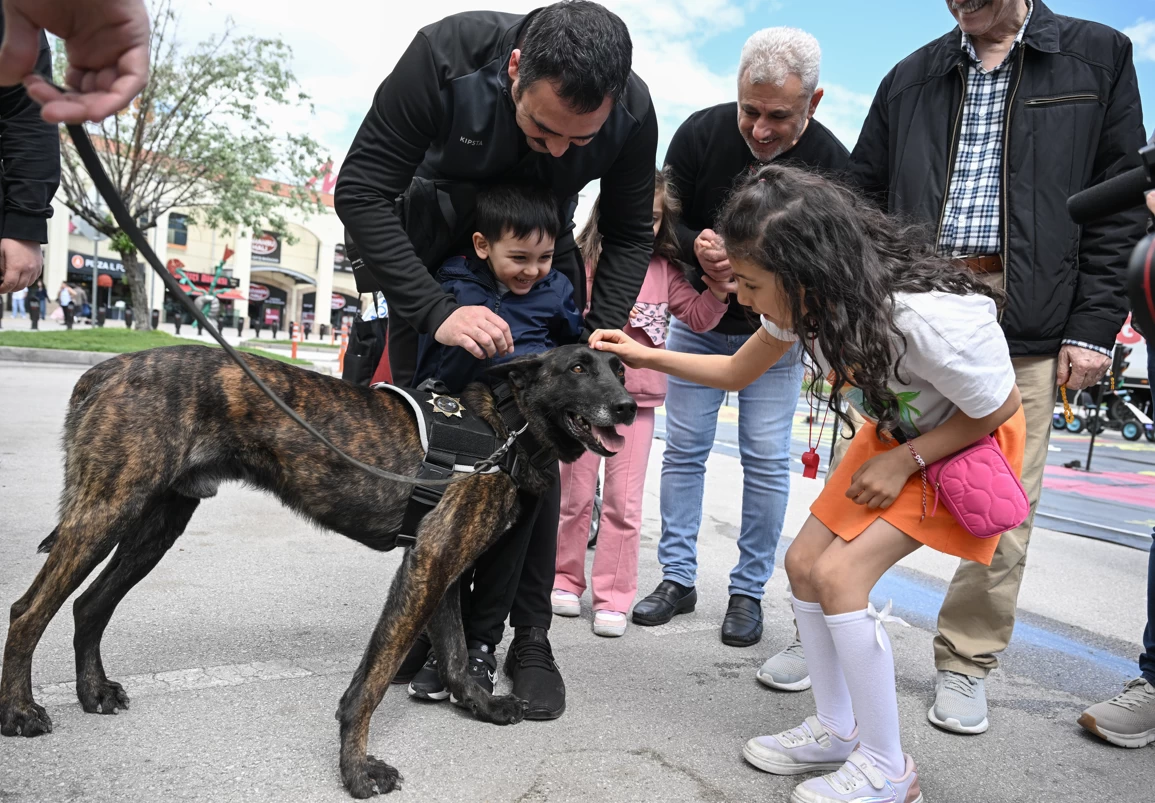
pixel 600 439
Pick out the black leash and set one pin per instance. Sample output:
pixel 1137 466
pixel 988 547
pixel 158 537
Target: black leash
pixel 123 219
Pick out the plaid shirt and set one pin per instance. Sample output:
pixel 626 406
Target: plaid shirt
pixel 970 223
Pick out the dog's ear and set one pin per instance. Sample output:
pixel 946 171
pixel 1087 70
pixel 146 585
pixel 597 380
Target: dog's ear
pixel 518 372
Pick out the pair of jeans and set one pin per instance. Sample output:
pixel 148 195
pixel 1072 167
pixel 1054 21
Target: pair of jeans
pixel 1147 659
pixel 765 418
pixel 18 308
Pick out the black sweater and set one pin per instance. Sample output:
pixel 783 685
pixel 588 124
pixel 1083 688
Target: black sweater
pixel 30 156
pixel 444 120
pixel 706 157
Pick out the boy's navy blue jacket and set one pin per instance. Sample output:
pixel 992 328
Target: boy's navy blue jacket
pixel 541 319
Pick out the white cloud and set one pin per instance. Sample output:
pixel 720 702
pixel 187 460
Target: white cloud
pixel 1142 35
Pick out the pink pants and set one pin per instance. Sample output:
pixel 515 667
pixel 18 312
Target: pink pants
pixel 615 573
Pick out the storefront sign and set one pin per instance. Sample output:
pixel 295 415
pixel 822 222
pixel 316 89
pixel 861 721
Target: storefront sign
pixel 258 292
pixel 266 248
pixel 82 263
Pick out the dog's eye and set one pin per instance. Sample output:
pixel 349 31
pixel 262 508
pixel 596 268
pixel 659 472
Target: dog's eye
pixel 578 369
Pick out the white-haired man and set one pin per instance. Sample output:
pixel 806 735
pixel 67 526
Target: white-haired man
pixel 778 93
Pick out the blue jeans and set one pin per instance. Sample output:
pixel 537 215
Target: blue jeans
pixel 765 417
pixel 1147 659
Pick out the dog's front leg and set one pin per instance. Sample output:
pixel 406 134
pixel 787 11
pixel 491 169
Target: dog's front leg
pixel 448 637
pixel 450 538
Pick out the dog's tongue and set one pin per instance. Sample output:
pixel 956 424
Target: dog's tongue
pixel 610 438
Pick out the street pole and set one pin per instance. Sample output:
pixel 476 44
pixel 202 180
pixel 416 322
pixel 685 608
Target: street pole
pixel 95 290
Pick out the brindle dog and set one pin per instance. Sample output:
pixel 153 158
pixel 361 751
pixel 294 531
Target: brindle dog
pixel 149 435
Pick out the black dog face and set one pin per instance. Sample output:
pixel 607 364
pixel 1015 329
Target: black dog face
pixel 578 394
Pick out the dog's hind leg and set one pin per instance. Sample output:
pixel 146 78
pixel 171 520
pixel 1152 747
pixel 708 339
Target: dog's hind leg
pixel 79 548
pixel 448 637
pixel 136 556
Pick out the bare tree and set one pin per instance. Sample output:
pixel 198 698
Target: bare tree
pixel 198 139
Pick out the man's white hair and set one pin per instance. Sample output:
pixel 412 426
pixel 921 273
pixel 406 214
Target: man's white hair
pixel 772 54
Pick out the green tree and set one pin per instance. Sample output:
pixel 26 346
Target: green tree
pixel 198 139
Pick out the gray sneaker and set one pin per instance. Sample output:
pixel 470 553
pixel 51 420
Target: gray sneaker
pixel 960 703
pixel 786 671
pixel 1127 720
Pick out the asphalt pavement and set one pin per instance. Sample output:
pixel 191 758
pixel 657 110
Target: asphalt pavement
pixel 236 649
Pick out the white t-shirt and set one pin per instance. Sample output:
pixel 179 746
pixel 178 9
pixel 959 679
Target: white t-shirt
pixel 956 359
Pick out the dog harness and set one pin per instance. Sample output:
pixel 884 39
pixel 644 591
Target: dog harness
pixel 456 440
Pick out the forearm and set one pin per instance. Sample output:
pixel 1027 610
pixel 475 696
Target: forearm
pixel 960 431
pixel 725 372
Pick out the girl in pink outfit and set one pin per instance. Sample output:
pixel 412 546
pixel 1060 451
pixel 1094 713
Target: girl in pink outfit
pixel 615 572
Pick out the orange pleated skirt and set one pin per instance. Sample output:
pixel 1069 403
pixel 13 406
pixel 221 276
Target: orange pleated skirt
pixel 848 520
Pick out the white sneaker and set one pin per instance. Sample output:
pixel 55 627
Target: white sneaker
pixel 860 781
pixel 564 603
pixel 807 748
pixel 786 671
pixel 609 624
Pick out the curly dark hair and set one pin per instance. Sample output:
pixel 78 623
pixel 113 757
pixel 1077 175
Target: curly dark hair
pixel 840 260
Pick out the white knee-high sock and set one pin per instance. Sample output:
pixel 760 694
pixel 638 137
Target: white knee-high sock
pixel 868 667
pixel 831 696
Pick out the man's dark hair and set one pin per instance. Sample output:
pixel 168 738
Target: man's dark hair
pixel 517 211
pixel 581 47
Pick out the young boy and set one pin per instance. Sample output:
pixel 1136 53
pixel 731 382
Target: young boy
pixel 510 274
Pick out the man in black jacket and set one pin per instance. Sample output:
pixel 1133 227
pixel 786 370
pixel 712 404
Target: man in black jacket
pixel 984 134
pixel 480 98
pixel 30 151
pixel 773 119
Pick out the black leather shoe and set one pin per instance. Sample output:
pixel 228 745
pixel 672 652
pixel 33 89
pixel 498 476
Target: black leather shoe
pixel 536 679
pixel 664 603
pixel 742 626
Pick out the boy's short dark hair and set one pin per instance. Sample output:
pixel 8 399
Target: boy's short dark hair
pixel 517 211
pixel 583 48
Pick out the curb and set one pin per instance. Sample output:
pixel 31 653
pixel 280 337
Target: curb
pixel 57 356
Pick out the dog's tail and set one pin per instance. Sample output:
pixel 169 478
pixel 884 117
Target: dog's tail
pixel 46 545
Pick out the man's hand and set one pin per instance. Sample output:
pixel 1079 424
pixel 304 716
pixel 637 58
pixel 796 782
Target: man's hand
pixel 20 264
pixel 711 254
pixel 478 330
pixel 1081 368
pixel 107 44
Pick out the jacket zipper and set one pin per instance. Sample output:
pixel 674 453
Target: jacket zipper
pixel 1003 188
pixel 953 154
pixel 1060 99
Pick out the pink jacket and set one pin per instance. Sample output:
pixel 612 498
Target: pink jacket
pixel 664 289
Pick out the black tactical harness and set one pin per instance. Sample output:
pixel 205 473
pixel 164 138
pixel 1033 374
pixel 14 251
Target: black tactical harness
pixel 456 440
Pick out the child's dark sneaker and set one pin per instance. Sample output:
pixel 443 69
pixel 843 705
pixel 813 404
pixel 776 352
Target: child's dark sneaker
pixel 534 673
pixel 414 660
pixel 481 666
pixel 426 684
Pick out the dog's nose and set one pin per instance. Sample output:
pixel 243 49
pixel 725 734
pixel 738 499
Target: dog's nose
pixel 625 410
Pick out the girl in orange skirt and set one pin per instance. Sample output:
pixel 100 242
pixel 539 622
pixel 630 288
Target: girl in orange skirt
pixel 913 343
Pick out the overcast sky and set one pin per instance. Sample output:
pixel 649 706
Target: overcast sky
pixel 686 50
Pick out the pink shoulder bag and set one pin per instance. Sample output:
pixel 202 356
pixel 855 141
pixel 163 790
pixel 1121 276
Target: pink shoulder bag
pixel 977 485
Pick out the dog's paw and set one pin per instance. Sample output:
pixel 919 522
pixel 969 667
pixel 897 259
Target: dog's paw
pixel 26 719
pixel 373 778
pixel 104 697
pixel 506 710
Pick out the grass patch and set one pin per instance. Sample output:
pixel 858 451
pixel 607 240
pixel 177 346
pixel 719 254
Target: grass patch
pixel 117 341
pixel 285 343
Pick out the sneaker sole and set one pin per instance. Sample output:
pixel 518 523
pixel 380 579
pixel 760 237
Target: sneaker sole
pixel 432 696
pixel 1132 740
pixel 609 631
pixel 771 683
pixel 785 767
pixel 952 725
pixel 805 796
pixel 567 610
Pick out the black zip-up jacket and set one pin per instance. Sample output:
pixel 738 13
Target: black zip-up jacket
pixel 442 124
pixel 29 159
pixel 1073 120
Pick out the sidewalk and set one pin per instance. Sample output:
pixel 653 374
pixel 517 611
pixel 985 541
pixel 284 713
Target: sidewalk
pixel 236 649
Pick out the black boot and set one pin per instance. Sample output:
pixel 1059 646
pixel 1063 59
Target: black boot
pixel 742 626
pixel 664 602
pixel 536 679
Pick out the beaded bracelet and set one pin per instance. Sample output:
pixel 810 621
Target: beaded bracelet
pixel 922 471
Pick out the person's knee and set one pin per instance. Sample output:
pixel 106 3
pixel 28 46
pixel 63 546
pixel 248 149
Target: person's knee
pixel 833 584
pixel 799 562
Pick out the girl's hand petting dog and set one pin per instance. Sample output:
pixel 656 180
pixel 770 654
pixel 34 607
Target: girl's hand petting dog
pixel 881 479
pixel 617 342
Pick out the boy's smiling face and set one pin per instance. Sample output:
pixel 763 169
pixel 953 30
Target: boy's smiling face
pixel 518 262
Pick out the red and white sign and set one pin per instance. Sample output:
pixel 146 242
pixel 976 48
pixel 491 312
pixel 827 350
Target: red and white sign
pixel 338 301
pixel 258 292
pixel 264 244
pixel 272 316
pixel 78 263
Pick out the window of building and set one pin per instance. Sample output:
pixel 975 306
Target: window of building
pixel 178 230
